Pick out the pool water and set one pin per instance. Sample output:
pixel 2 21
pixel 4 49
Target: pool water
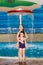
pixel 9 49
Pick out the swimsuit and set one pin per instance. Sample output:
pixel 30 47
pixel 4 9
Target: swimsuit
pixel 21 45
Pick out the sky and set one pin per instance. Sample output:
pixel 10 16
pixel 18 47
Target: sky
pixel 36 1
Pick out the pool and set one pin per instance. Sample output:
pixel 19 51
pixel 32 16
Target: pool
pixel 9 49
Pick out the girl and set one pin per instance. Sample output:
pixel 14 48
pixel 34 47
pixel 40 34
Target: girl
pixel 21 46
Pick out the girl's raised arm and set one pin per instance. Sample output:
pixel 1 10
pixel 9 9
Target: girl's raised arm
pixel 18 36
pixel 26 35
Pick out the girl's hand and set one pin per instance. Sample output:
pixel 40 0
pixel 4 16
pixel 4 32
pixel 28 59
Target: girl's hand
pixel 26 46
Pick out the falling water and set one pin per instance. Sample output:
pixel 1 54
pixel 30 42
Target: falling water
pixel 9 30
pixel 32 27
pixel 20 18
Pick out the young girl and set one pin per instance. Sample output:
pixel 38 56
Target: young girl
pixel 21 29
pixel 21 46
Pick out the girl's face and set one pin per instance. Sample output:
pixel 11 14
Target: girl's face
pixel 21 27
pixel 21 35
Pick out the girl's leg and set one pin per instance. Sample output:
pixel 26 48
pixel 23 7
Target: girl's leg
pixel 20 55
pixel 24 58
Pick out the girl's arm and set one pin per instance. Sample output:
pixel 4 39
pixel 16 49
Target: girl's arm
pixel 26 35
pixel 17 45
pixel 18 39
pixel 25 43
pixel 18 36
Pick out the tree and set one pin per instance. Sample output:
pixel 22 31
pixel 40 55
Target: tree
pixel 10 1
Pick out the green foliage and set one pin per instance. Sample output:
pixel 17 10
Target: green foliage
pixel 14 3
pixel 10 1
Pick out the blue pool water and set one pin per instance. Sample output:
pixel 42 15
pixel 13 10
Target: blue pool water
pixel 34 49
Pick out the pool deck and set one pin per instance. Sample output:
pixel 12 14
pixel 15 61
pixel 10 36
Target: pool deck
pixel 14 61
